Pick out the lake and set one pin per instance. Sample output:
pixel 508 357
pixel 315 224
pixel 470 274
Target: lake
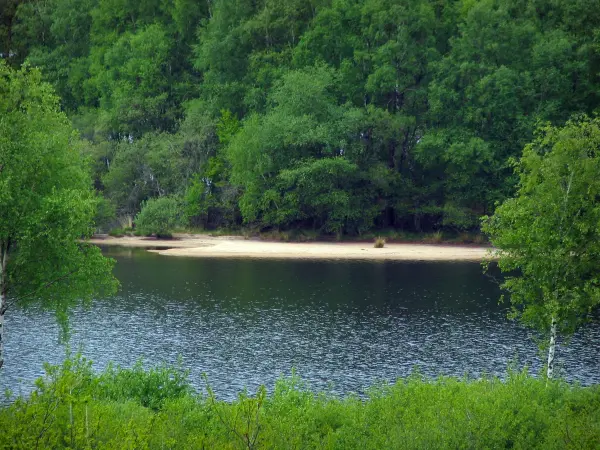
pixel 343 326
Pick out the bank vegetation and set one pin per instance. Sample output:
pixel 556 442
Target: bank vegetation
pixel 72 407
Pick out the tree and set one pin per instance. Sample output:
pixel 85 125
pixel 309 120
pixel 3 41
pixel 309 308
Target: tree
pixel 331 192
pixel 428 98
pixel 304 123
pixel 550 232
pixel 46 202
pixel 159 216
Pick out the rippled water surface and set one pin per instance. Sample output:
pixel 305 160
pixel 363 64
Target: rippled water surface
pixel 342 325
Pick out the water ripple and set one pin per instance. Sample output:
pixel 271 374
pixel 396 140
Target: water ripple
pixel 343 326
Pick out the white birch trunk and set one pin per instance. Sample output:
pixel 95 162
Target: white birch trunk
pixel 551 350
pixel 3 261
pixel 2 308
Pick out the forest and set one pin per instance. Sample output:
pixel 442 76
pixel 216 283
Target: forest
pixel 338 116
pixel 335 118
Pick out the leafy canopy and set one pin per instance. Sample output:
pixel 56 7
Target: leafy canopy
pixel 429 99
pixel 46 200
pixel 550 232
pixel 159 216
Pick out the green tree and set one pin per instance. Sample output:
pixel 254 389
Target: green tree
pixel 429 98
pixel 7 20
pixel 304 123
pixel 46 201
pixel 210 199
pixel 148 167
pixel 511 64
pixel 550 232
pixel 159 216
pixel 331 192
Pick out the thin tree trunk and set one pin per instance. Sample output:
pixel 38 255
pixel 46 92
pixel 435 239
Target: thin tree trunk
pixel 2 309
pixel 551 349
pixel 3 261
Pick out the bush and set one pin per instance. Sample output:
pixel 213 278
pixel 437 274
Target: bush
pixel 379 242
pixel 150 388
pixel 480 239
pixel 465 238
pixel 106 214
pixel 117 232
pixel 159 216
pixel 435 238
pixel 72 407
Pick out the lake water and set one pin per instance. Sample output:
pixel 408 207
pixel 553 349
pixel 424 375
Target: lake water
pixel 342 325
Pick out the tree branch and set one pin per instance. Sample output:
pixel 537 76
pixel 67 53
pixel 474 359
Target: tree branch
pixel 44 286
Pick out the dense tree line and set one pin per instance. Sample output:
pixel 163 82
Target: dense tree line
pixel 336 115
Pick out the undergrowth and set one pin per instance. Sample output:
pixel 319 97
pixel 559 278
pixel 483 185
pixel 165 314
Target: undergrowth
pixel 72 407
pixel 379 242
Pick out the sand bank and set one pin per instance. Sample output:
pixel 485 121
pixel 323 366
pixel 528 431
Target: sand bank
pixel 204 246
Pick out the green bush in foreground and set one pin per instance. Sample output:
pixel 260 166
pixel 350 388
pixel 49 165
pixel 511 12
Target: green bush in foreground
pixel 72 407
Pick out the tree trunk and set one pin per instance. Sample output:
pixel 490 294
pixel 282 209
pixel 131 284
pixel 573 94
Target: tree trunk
pixel 2 310
pixel 551 349
pixel 3 287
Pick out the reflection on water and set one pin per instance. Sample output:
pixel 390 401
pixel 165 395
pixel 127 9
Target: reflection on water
pixel 342 325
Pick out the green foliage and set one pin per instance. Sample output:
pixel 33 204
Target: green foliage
pixel 210 201
pixel 151 388
pixel 47 202
pixel 117 232
pixel 132 408
pixel 430 100
pixel 159 216
pixel 289 161
pixel 331 191
pixel 153 166
pixel 106 214
pixel 549 232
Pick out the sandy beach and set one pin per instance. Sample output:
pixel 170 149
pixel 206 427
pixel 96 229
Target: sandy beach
pixel 205 246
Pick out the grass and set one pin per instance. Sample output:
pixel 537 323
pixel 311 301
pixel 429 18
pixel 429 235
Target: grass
pixel 308 235
pixel 437 237
pixel 434 238
pixel 120 232
pixel 116 232
pixel 293 235
pixel 72 407
pixel 379 242
pixel 225 232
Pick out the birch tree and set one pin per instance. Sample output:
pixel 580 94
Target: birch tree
pixel 46 202
pixel 548 236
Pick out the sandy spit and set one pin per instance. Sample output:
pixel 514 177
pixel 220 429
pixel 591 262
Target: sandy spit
pixel 204 246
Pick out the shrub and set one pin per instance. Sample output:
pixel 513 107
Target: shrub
pixel 379 242
pixel 159 216
pixel 116 232
pixel 106 214
pixel 435 238
pixel 73 407
pixel 149 387
pixel 479 239
pixel 465 238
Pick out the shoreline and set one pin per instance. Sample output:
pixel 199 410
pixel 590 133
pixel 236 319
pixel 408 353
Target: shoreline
pixel 205 246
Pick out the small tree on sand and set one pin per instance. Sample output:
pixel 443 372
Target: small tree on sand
pixel 159 216
pixel 46 202
pixel 548 236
